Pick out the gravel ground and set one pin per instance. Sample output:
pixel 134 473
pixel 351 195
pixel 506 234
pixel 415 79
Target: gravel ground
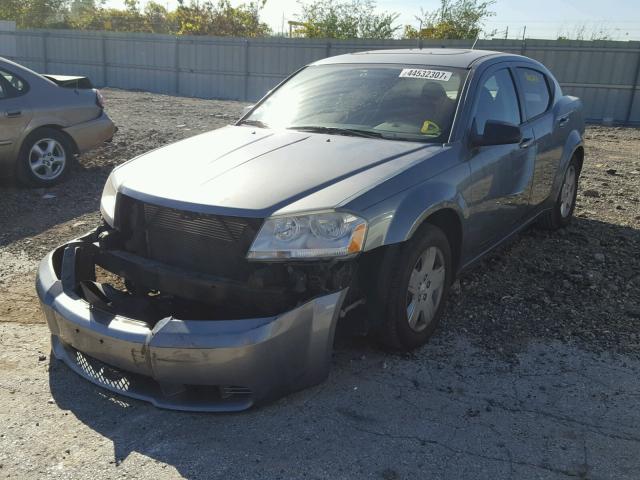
pixel 533 373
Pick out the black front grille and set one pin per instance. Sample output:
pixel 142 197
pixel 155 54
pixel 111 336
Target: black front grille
pixel 213 244
pixel 225 229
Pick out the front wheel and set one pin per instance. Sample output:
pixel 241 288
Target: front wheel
pixel 419 284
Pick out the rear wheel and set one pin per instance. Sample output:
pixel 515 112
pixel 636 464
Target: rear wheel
pixel 45 158
pixel 419 284
pixel 562 212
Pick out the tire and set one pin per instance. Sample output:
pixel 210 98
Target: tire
pixel 400 329
pixel 562 212
pixel 52 151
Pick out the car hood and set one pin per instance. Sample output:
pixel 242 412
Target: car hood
pixel 247 171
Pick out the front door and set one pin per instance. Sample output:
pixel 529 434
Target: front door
pixel 501 175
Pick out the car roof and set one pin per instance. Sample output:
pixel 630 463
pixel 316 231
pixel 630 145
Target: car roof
pixel 439 57
pixel 21 68
pixel 9 62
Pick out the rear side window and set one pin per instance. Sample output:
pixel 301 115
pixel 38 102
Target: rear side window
pixel 535 90
pixel 12 85
pixel 497 100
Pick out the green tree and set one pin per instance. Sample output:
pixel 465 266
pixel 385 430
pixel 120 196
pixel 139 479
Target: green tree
pixel 129 19
pixel 345 19
pixel 79 8
pixel 12 10
pixel 220 19
pixel 455 19
pixel 35 13
pixel 157 18
pixel 196 18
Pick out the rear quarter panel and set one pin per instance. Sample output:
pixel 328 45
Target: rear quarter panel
pixel 569 138
pixel 53 105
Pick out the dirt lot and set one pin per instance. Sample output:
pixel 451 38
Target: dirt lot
pixel 533 373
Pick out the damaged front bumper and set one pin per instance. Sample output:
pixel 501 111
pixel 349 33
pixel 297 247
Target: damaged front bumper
pixel 181 363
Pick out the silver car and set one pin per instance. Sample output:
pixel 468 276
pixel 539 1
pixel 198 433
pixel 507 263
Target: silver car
pixel 45 121
pixel 364 182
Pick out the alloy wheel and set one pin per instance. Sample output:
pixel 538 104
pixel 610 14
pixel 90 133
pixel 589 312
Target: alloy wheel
pixel 47 159
pixel 425 288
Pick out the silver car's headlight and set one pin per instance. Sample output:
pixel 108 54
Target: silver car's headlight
pixel 310 236
pixel 108 200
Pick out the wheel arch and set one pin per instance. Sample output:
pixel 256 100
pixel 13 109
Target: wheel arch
pixel 448 220
pixel 579 154
pixel 376 266
pixel 57 128
pixel 573 146
pixel 394 222
pixel 435 202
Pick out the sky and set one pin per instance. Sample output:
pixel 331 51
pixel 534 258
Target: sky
pixel 620 19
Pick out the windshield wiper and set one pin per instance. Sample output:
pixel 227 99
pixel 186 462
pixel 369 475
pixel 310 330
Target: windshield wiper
pixel 337 131
pixel 254 123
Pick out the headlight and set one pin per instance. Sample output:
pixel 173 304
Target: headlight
pixel 316 235
pixel 108 200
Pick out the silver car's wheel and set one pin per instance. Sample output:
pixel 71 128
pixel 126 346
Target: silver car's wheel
pixel 412 289
pixel 567 195
pixel 425 288
pixel 47 159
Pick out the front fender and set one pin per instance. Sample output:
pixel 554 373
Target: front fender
pixel 396 219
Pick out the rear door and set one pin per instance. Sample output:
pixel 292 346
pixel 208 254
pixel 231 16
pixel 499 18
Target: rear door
pixel 501 175
pixel 536 93
pixel 14 113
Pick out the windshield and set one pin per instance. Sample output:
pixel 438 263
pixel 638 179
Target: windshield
pixel 388 101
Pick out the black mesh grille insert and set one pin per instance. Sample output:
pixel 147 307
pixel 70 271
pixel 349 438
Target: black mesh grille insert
pixel 197 225
pixel 206 243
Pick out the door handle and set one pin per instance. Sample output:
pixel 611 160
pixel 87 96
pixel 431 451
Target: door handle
pixel 14 113
pixel 526 142
pixel 562 121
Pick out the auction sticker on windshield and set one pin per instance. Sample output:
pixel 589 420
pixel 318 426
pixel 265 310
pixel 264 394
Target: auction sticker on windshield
pixel 423 73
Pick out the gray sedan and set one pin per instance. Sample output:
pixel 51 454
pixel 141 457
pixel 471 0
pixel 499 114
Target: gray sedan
pixel 363 183
pixel 45 121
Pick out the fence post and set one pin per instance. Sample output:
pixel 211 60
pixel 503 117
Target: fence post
pixel 103 45
pixel 45 55
pixel 634 87
pixel 176 66
pixel 246 70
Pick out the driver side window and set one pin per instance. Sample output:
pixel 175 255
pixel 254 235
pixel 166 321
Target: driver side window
pixel 497 100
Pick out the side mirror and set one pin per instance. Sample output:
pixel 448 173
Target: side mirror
pixel 497 133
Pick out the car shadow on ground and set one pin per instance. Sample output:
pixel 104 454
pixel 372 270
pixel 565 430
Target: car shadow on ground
pixel 441 413
pixel 530 361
